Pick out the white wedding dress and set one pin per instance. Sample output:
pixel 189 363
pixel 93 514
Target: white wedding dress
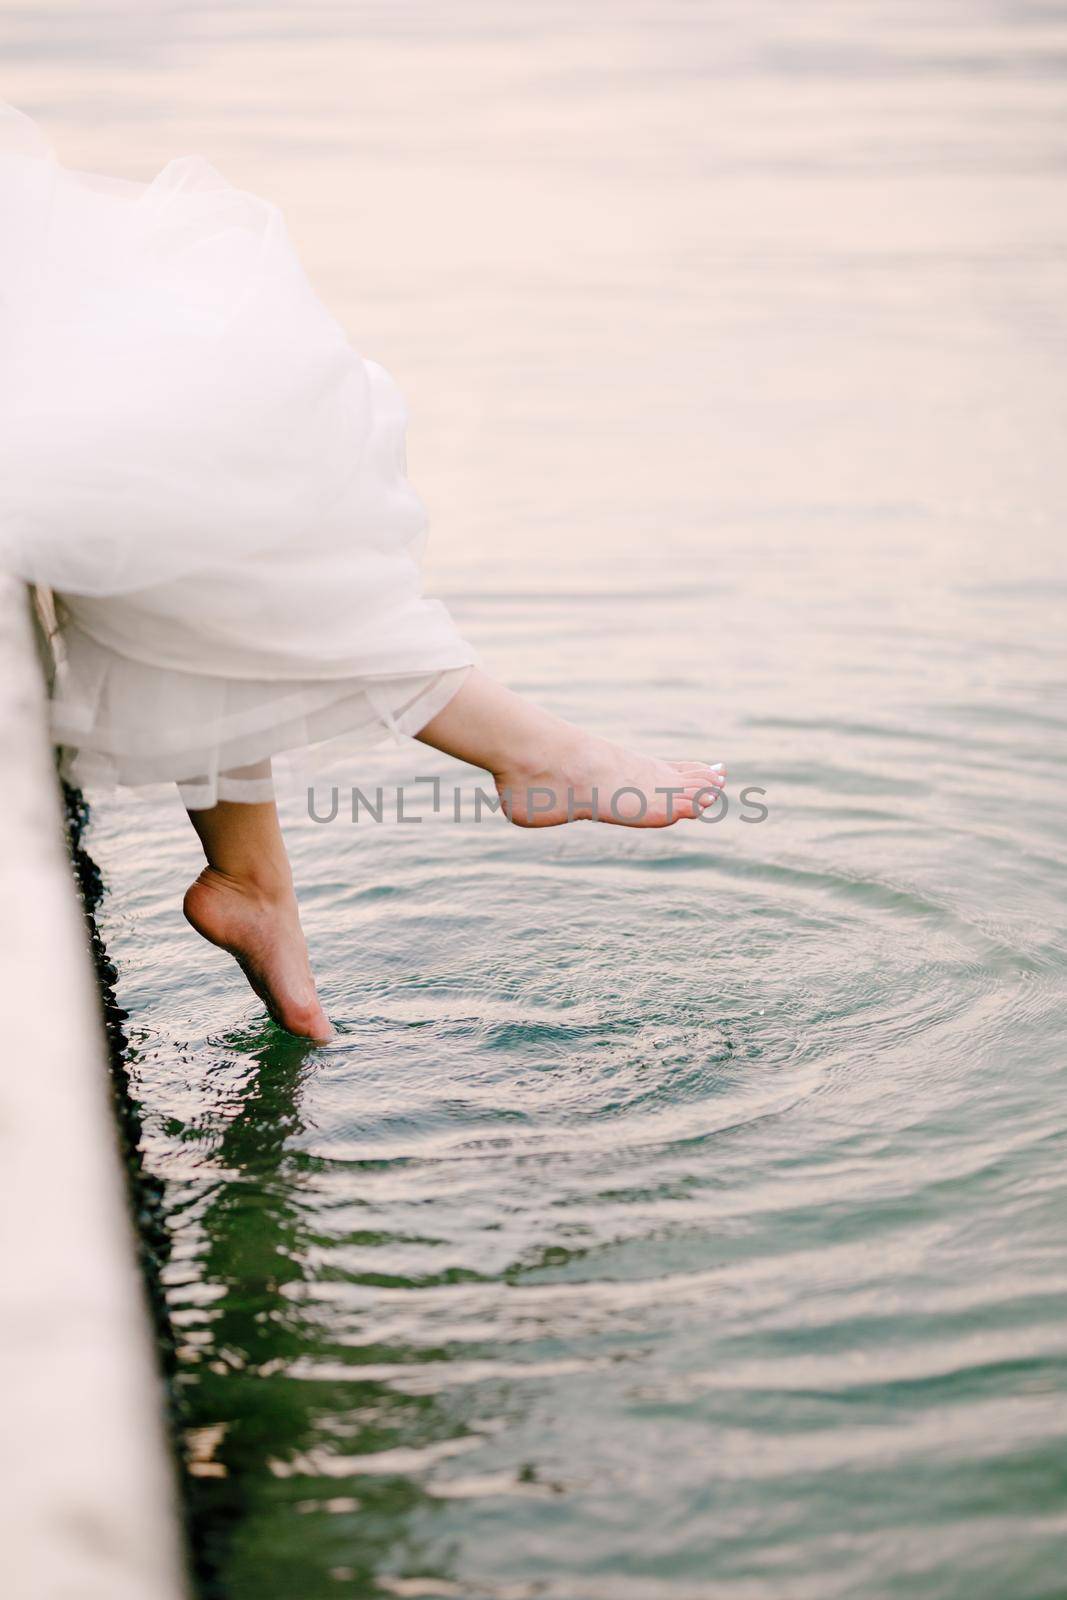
pixel 209 477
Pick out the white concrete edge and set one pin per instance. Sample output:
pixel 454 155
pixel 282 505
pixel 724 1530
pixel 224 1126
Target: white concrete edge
pixel 87 1500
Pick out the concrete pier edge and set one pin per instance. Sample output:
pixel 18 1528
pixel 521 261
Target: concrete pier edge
pixel 89 1509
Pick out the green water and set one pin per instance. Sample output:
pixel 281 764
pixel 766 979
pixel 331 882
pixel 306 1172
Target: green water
pixel 676 1217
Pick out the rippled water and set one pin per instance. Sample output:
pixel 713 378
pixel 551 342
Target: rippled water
pixel 676 1217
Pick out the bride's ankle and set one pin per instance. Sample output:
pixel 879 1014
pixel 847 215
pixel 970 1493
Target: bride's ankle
pixel 559 754
pixel 262 884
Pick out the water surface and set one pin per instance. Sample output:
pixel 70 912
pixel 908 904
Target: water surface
pixel 676 1217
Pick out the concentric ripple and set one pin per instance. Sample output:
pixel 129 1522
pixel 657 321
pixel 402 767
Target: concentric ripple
pixel 601 1258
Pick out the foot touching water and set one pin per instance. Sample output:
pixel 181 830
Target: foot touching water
pixel 261 929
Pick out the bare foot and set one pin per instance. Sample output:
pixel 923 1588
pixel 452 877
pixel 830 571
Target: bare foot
pixel 548 771
pixel 592 780
pixel 260 928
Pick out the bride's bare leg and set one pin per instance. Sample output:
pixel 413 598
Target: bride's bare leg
pixel 549 771
pixel 243 901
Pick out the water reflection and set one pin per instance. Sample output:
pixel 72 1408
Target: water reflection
pixel 265 1450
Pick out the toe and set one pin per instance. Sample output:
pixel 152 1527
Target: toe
pixel 704 797
pixel 306 1019
pixel 701 769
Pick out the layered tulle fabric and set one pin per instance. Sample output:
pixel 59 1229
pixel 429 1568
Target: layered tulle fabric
pixel 194 457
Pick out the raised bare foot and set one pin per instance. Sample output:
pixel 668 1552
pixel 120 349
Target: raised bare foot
pixel 592 780
pixel 260 927
pixel 548 771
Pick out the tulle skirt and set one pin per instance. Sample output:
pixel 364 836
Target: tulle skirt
pixel 209 477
